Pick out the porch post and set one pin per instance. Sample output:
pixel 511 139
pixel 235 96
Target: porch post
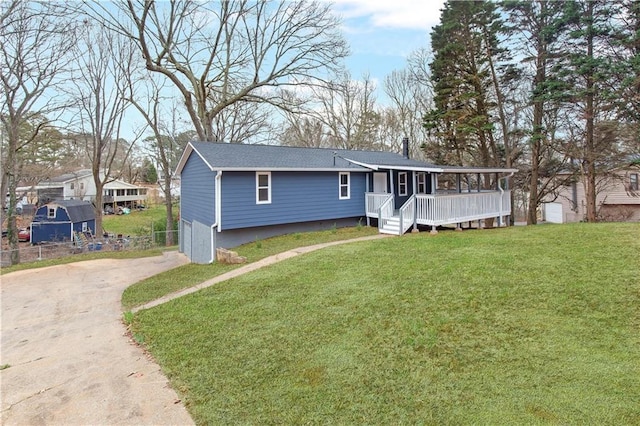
pixel 479 182
pixel 500 205
pixel 393 188
pixel 415 202
pixel 366 213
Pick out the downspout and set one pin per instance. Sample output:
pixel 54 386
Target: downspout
pixel 218 222
pixel 218 213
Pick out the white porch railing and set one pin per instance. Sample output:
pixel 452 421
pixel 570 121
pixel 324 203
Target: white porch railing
pixel 407 214
pixel 437 210
pixel 385 211
pixel 373 201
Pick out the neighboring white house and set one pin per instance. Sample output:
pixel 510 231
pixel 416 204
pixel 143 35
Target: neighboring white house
pixel 618 198
pixel 80 186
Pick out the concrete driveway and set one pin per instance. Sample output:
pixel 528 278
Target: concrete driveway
pixel 69 359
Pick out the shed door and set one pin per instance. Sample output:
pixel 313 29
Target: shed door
pixel 553 213
pixel 380 183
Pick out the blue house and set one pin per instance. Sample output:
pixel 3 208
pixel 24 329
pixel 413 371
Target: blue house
pixel 59 220
pixel 232 194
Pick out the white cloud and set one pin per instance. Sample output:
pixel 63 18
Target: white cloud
pixel 400 14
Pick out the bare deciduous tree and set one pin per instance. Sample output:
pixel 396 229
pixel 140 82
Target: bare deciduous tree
pixel 34 39
pixel 343 112
pixel 165 143
pixel 410 93
pixel 221 53
pixel 102 87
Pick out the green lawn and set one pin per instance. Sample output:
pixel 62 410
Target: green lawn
pixel 192 274
pixel 535 325
pixel 137 222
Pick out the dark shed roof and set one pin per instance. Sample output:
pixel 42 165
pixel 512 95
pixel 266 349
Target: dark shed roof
pixel 78 211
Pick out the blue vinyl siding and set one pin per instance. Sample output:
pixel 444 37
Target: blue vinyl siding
pixel 50 231
pixel 43 211
pixel 295 197
pixel 197 191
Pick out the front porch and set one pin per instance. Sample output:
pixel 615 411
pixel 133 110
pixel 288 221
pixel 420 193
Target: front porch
pixel 441 208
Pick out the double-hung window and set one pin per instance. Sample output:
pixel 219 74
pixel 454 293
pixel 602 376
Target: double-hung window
pixel 422 183
pixel 344 185
pixel 263 187
pixel 402 183
pixel 633 181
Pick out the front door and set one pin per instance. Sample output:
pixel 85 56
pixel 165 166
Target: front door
pixel 380 183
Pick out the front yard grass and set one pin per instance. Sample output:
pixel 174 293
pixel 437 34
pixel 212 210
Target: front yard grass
pixel 535 325
pixel 192 274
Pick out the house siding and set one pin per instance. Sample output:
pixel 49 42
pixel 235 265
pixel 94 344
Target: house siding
pixel 399 200
pixel 614 201
pixel 235 237
pixel 295 197
pixel 197 197
pixel 618 191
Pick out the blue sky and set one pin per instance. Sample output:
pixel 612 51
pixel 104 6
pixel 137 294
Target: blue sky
pixel 382 33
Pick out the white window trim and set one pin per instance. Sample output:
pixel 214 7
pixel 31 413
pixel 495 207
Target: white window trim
pixel 402 192
pixel 634 181
pixel 422 182
pixel 268 200
pixel 348 185
pixel 49 210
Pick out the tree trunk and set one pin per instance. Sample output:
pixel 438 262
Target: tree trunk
pixel 590 163
pixel 98 204
pixel 169 207
pixel 10 174
pixel 538 133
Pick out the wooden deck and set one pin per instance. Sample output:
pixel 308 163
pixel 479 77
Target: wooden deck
pixel 436 209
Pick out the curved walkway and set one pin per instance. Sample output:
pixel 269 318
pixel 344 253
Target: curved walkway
pixel 64 353
pixel 251 267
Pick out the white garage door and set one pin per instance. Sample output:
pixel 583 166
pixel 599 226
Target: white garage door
pixel 553 213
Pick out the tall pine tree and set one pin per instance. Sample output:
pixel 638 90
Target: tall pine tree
pixel 537 26
pixel 461 120
pixel 587 73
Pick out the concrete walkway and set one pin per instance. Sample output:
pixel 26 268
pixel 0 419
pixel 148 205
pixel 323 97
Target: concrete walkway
pixel 252 267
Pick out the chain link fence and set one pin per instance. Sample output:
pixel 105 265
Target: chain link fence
pixel 34 253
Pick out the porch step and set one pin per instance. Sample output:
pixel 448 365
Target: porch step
pixel 392 226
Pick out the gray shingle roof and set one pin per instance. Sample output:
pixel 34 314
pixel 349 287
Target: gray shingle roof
pixel 68 176
pixel 79 211
pixel 239 156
